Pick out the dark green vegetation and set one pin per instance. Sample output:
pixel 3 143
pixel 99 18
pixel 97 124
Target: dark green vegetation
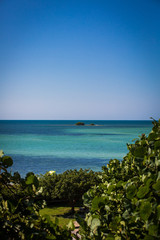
pixel 19 208
pixel 69 186
pixel 126 205
pixel 123 202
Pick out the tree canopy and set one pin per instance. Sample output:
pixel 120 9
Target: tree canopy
pixel 68 186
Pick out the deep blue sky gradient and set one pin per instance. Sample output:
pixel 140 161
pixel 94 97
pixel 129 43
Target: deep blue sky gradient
pixel 81 59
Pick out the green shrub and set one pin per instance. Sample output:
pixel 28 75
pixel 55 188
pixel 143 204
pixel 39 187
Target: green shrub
pixel 126 205
pixel 68 186
pixel 19 208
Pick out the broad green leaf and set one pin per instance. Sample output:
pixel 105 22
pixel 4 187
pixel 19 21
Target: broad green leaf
pixel 11 206
pixel 89 220
pixel 142 191
pixel 111 188
pixel 156 186
pixel 158 212
pixel 152 136
pixel 71 225
pixel 110 237
pixel 131 191
pixel 118 238
pixel 148 182
pixel 153 230
pixel 32 179
pixel 95 223
pixel 120 184
pixel 145 210
pixel 139 152
pixel 157 162
pixel 16 176
pixel 157 145
pixel 97 201
pixel 7 161
pixel 126 215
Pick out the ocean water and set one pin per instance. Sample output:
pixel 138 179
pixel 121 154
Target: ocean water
pixel 41 146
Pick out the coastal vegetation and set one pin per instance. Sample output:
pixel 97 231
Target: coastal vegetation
pixel 126 205
pixel 68 187
pixel 19 208
pixel 123 200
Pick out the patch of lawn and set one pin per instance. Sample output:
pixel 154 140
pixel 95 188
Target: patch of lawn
pixel 62 213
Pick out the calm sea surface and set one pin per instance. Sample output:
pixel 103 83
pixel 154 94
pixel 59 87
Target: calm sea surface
pixel 40 146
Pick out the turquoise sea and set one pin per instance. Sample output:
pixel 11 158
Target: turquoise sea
pixel 41 146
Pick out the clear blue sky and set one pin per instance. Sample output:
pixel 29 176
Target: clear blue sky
pixel 80 59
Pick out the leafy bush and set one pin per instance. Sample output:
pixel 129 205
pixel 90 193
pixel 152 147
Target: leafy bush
pixel 19 208
pixel 68 186
pixel 126 205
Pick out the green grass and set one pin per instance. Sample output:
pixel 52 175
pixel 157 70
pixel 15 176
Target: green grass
pixel 60 213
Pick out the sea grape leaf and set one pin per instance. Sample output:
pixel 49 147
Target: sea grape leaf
pixel 11 206
pixel 97 201
pixel 7 161
pixel 157 145
pixel 118 238
pixel 142 191
pixel 145 210
pixel 152 136
pixel 16 176
pixel 139 152
pixel 110 237
pixel 111 188
pixel 120 184
pixel 70 224
pixel 126 214
pixel 158 212
pixel 32 179
pixel 157 162
pixel 131 191
pixel 89 220
pixel 153 229
pixel 95 223
pixel 156 186
pixel 148 182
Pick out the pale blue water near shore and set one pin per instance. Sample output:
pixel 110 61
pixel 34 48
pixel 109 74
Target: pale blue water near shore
pixel 40 146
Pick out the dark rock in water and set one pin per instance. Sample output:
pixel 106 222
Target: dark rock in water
pixel 80 123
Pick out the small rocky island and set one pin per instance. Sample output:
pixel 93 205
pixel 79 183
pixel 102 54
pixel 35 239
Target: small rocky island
pixel 82 124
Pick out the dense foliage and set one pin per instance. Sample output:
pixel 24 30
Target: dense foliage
pixel 19 208
pixel 68 186
pixel 126 205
